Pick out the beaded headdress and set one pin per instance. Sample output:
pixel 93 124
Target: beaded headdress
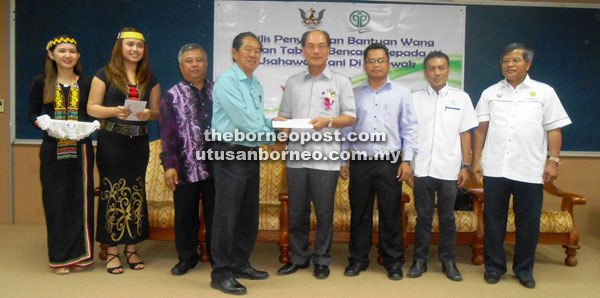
pixel 58 40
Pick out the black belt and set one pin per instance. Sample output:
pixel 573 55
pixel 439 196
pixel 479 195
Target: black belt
pixel 124 129
pixel 224 146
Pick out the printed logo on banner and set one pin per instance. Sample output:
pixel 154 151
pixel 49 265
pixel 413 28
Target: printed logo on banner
pixel 311 21
pixel 359 19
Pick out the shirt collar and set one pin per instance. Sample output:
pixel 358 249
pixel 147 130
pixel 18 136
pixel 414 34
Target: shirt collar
pixel 443 91
pixel 365 84
pixel 240 73
pixel 326 72
pixel 184 81
pixel 526 82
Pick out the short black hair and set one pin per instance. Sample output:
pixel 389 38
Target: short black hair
pixel 239 40
pixel 376 46
pixel 305 36
pixel 436 54
pixel 527 51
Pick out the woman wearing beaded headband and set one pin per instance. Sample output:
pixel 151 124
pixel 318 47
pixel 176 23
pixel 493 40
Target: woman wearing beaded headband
pixel 123 150
pixel 66 167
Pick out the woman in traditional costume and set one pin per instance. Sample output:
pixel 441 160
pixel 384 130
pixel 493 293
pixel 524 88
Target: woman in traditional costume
pixel 123 149
pixel 66 166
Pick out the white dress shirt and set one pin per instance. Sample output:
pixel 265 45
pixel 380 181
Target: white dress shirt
pixel 442 117
pixel 519 118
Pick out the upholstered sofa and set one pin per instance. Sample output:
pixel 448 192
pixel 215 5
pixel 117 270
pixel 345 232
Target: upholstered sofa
pixel 557 227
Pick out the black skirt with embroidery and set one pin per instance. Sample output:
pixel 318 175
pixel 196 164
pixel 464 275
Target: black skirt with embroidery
pixel 122 210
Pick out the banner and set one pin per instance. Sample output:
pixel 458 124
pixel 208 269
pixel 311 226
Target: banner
pixel 409 31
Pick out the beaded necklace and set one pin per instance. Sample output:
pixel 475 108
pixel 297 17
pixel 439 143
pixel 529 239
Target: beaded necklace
pixel 67 108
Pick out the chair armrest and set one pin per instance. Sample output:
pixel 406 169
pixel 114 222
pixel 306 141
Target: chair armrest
pixel 405 198
pixel 476 193
pixel 576 199
pixel 283 197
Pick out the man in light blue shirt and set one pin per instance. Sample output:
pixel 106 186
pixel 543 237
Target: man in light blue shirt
pixel 237 105
pixel 381 106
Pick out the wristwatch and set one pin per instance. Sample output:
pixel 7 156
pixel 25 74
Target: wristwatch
pixel 554 159
pixel 330 122
pixel 468 167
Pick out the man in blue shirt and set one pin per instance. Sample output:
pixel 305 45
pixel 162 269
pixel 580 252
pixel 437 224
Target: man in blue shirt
pixel 381 106
pixel 237 106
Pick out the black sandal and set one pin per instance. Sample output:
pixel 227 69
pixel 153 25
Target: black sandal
pixel 128 255
pixel 113 270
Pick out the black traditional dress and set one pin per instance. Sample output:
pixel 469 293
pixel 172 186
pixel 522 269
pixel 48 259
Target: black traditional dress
pixel 122 158
pixel 66 173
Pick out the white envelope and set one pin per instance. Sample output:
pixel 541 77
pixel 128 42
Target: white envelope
pixel 135 106
pixel 293 123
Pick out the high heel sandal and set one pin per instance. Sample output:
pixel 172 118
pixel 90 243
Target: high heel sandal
pixel 113 270
pixel 128 255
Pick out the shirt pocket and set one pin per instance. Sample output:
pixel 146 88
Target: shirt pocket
pixel 327 110
pixel 392 113
pixel 451 114
pixel 531 112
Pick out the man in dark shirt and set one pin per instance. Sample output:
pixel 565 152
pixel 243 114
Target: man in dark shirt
pixel 185 113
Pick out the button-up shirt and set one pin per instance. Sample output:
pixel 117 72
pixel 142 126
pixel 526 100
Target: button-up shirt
pixel 185 113
pixel 443 116
pixel 238 104
pixel 388 110
pixel 304 97
pixel 519 118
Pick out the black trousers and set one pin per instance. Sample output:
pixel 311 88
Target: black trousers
pixel 367 179
pixel 306 185
pixel 527 204
pixel 235 216
pixel 425 190
pixel 187 217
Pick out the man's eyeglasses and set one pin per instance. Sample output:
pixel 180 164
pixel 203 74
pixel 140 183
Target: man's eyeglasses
pixel 312 47
pixel 513 61
pixel 373 60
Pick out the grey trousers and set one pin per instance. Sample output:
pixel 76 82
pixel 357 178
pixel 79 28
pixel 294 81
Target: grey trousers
pixel 306 186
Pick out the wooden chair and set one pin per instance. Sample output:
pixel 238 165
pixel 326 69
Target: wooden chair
pixel 469 225
pixel 556 227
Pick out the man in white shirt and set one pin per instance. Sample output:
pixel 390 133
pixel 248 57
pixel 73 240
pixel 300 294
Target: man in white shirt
pixel 520 121
pixel 442 164
pixel 326 98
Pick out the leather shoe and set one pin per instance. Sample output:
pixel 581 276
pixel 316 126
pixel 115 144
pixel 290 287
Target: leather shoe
pixel 354 269
pixel 395 273
pixel 527 282
pixel 417 269
pixel 491 277
pixel 251 273
pixel 321 271
pixel 229 286
pixel 451 271
pixel 182 267
pixel 290 268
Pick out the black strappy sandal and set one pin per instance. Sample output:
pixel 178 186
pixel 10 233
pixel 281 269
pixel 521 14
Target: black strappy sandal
pixel 113 270
pixel 128 255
